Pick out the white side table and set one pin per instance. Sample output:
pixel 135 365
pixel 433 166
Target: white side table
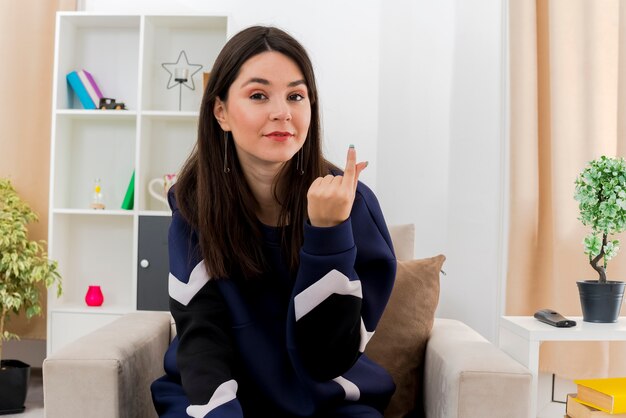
pixel 521 336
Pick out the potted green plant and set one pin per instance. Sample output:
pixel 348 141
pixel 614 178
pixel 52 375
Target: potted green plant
pixel 601 193
pixel 24 267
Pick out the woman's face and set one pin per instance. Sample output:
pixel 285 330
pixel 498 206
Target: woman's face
pixel 267 111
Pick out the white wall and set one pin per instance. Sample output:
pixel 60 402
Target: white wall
pixel 31 352
pixel 441 142
pixel 416 60
pixel 476 200
pixel 417 86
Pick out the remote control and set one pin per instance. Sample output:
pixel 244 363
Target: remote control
pixel 554 318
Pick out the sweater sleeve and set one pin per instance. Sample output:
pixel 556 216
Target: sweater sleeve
pixel 205 350
pixel 343 284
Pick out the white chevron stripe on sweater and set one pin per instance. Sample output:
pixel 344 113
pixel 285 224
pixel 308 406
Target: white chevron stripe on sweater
pixel 334 282
pixel 351 390
pixel 184 292
pixel 225 392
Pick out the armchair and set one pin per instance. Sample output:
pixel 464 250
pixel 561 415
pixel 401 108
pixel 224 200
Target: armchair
pixel 107 374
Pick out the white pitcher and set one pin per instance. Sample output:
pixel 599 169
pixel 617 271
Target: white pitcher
pixel 163 186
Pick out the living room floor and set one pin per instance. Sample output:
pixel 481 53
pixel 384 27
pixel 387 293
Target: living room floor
pixel 34 399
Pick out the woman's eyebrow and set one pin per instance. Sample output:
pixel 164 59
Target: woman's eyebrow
pixel 296 83
pixel 267 83
pixel 256 80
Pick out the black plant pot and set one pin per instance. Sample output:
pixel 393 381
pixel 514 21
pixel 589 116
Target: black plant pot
pixel 600 302
pixel 14 376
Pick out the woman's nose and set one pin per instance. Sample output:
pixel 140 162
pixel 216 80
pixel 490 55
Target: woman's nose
pixel 280 112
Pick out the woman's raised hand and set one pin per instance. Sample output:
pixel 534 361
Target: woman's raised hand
pixel 330 198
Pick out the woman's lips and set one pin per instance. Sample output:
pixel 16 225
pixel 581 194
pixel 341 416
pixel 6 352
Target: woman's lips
pixel 279 136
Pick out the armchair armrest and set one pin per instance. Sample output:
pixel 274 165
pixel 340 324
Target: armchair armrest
pixel 107 373
pixel 466 376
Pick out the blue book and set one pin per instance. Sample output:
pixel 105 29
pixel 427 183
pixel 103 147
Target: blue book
pixel 83 95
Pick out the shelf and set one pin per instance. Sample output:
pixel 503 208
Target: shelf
pixel 201 37
pixel 92 114
pixel 164 213
pixel 91 21
pixel 164 147
pixel 106 46
pixel 92 310
pixel 151 138
pixel 87 149
pixel 188 22
pixel 171 114
pixel 93 212
pixel 93 250
pixel 531 329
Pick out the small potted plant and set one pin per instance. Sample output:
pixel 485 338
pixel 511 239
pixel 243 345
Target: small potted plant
pixel 24 266
pixel 601 193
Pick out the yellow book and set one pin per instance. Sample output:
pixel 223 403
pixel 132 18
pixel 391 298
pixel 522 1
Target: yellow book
pixel 608 395
pixel 577 410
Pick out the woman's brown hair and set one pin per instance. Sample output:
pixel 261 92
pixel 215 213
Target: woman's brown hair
pixel 220 206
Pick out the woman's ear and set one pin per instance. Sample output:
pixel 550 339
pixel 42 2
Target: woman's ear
pixel 219 111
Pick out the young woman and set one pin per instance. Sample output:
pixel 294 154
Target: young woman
pixel 281 264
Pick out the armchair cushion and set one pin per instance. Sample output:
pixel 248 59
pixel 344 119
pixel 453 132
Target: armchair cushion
pixel 466 376
pixel 107 373
pixel 403 239
pixel 400 339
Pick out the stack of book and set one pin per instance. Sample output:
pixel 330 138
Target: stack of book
pixel 598 398
pixel 85 87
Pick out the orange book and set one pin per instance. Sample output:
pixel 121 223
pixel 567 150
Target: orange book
pixel 608 395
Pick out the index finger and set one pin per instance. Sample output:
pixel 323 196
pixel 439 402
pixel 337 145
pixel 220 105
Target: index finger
pixel 350 170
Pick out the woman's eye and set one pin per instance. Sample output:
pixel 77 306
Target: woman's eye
pixel 258 96
pixel 296 97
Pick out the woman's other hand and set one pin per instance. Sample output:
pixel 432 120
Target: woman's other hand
pixel 330 198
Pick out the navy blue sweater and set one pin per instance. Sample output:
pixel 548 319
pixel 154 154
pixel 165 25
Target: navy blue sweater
pixel 282 345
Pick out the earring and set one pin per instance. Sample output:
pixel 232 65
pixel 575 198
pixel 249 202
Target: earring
pixel 300 161
pixel 226 168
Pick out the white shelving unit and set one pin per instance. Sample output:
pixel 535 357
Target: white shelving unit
pixel 152 137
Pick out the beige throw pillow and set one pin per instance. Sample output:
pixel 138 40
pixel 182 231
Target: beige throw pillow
pixel 400 339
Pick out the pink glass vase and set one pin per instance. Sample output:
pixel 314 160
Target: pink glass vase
pixel 94 296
